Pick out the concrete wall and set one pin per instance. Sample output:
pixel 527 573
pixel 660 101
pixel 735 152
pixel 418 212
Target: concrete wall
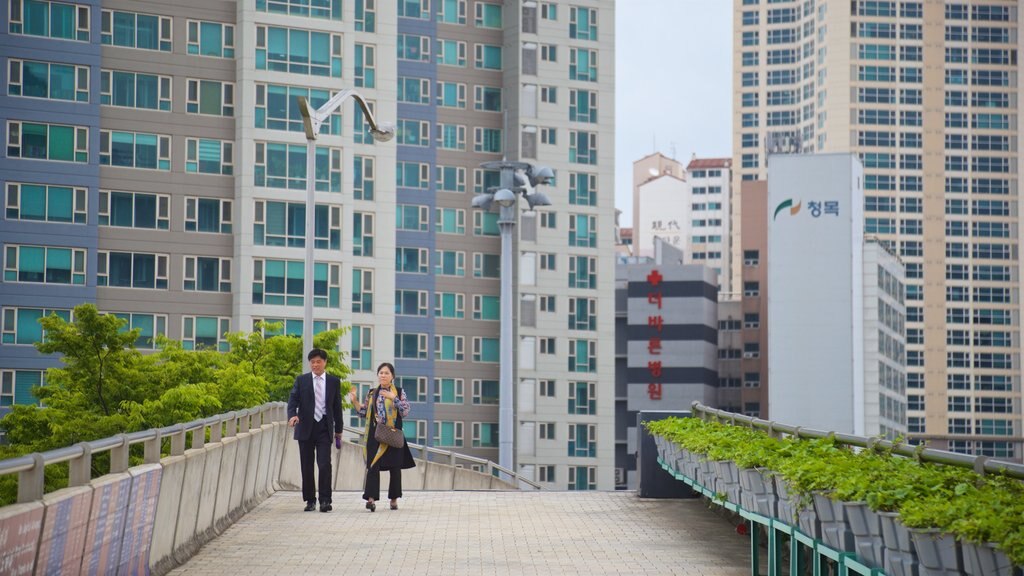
pixel 156 516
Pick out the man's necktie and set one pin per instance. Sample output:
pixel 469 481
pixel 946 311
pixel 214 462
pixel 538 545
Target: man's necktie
pixel 318 390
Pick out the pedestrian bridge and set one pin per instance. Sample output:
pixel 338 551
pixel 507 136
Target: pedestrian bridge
pixel 221 496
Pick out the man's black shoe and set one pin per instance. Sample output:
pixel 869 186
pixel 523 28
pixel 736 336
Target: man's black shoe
pixel 310 506
pixel 326 508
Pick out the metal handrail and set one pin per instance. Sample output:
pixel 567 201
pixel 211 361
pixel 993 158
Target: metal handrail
pixel 454 457
pixel 31 478
pixel 980 464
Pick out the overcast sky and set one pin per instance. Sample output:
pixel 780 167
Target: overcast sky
pixel 673 88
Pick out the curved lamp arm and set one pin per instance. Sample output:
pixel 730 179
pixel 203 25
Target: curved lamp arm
pixel 313 119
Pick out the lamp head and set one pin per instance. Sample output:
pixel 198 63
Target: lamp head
pixel 537 199
pixel 540 175
pixel 385 131
pixel 505 197
pixel 483 201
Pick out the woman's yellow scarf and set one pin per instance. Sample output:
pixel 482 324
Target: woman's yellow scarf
pixel 391 413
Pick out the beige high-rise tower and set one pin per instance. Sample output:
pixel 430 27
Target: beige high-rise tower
pixel 926 93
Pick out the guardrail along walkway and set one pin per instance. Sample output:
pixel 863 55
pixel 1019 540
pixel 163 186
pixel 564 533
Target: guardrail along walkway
pixel 512 532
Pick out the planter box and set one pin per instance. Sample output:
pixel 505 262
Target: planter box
pixel 986 560
pixel 707 472
pixel 728 480
pixel 867 533
pixel 785 505
pixel 758 491
pixel 834 530
pixel 900 556
pixel 937 553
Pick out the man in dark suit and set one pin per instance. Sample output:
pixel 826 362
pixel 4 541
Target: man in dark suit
pixel 314 410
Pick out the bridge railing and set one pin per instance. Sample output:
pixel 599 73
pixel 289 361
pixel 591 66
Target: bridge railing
pixel 980 464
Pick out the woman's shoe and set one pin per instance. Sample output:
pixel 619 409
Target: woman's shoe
pixel 394 505
pixel 371 506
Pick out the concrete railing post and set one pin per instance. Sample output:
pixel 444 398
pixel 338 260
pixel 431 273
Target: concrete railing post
pixel 151 448
pixel 216 431
pixel 232 422
pixel 199 437
pixel 32 483
pixel 119 455
pixel 80 469
pixel 178 441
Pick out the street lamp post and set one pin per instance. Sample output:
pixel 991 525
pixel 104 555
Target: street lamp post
pixel 312 119
pixel 514 179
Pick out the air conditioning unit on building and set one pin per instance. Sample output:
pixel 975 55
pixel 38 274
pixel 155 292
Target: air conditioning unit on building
pixel 620 476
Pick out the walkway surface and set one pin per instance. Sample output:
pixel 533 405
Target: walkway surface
pixel 479 533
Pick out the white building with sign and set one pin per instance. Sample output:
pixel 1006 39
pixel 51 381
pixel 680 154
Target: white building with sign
pixel 820 320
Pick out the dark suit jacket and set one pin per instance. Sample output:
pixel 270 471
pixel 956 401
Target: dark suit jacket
pixel 302 400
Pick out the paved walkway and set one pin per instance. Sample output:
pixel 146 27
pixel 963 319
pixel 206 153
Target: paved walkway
pixel 474 533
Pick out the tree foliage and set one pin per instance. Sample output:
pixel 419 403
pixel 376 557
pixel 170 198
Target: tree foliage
pixel 105 386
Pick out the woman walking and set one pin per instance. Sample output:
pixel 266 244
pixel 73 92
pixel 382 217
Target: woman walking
pixel 384 405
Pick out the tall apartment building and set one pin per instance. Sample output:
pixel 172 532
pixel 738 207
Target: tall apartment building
pixel 926 94
pixel 156 165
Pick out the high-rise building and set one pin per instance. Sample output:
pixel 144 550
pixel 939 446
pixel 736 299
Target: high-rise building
pixel 925 93
pixel 156 166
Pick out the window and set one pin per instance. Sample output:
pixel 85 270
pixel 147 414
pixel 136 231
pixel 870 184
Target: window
pixel 325 9
pixel 485 434
pixel 449 305
pixel 280 283
pixel 583 106
pixel 44 264
pixel 447 434
pixel 22 326
pixel 47 142
pixel 450 263
pixel 133 30
pixel 487 98
pixel 751 257
pixel 583 64
pixel 751 289
pixel 488 15
pixel 276 105
pixel 452 95
pixel 365 66
pixel 547 261
pixel 205 156
pixel 134 210
pixel 411 260
pixel 485 223
pixel 488 57
pixel 413 47
pixel 205 332
pixel 48 80
pixel 131 270
pixel 43 203
pixel 546 388
pixel 362 177
pixel 414 9
pixel 582 272
pixel 751 320
pixel 582 313
pixel 582 230
pixel 549 220
pixel 486 265
pixel 546 430
pixel 366 15
pixel 549 136
pixel 582 355
pixel 582 398
pixel 208 214
pixel 362 348
pixel 751 350
pixel 487 140
pixel 218 99
pixel 362 291
pixel 50 20
pixel 412 174
pixel 583 147
pixel 451 137
pixel 135 150
pixel 448 391
pixel 582 189
pixel 16 387
pixel 451 179
pixel 413 132
pixel 207 274
pixel 450 220
pixel 547 345
pixel 485 349
pixel 549 52
pixel 582 23
pixel 280 165
pixel 486 307
pixel 582 440
pixel 411 302
pixel 411 217
pixel 410 345
pixel 549 94
pixel 149 326
pixel 211 39
pixel 413 90
pixel 415 387
pixel 135 90
pixel 452 53
pixel 284 224
pixel 298 51
pixel 450 349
